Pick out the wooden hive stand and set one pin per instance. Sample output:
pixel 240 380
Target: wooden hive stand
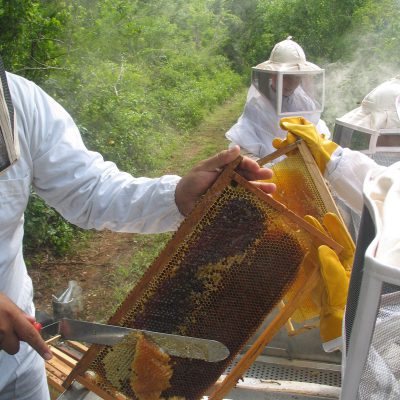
pixel 65 357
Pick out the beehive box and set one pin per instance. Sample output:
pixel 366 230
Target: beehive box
pixel 222 273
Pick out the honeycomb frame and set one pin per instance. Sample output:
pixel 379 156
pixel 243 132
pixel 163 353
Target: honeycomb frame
pixel 210 273
pixel 310 180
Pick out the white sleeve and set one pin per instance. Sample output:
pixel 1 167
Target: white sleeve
pixel 346 172
pixel 85 189
pixel 323 128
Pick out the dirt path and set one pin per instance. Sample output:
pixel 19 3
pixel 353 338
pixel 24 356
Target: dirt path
pixel 96 267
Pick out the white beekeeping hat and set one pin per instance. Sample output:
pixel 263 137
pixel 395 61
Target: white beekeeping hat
pixel 291 84
pixel 287 56
pixel 378 108
pixel 374 127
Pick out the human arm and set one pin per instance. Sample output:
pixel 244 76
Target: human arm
pixel 85 189
pixel 346 173
pixel 93 193
pixel 16 326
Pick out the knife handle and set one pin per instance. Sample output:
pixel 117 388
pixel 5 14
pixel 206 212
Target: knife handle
pixel 37 325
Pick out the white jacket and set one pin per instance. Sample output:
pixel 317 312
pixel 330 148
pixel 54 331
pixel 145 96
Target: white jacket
pixel 85 189
pixel 259 123
pixel 346 173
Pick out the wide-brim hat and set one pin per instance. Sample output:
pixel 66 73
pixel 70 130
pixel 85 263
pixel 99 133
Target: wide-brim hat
pixel 287 56
pixel 378 110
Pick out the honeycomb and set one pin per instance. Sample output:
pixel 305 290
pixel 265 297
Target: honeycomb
pixel 296 187
pixel 218 278
pixel 298 190
pixel 151 371
pixel 116 360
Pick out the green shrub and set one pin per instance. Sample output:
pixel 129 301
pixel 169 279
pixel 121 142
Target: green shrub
pixel 45 229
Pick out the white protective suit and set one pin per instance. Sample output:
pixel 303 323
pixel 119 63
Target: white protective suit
pixel 367 128
pixel 371 368
pixel 259 124
pixel 346 172
pixel 85 189
pixel 285 84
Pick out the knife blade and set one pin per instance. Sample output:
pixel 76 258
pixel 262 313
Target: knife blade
pixel 175 345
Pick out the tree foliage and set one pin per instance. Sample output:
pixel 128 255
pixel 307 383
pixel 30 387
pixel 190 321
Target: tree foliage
pixel 31 36
pixel 138 75
pixel 369 56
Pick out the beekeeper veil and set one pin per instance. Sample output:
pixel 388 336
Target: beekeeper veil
pixel 286 84
pixel 374 127
pixel 9 149
pixel 292 84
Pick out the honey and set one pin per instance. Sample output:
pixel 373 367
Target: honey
pixel 151 371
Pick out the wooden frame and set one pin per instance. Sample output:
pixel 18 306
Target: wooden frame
pixel 227 177
pixel 286 309
pixel 312 168
pixel 224 387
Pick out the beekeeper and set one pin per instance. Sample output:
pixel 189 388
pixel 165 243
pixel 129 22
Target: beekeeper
pixel 370 367
pixel 41 147
pixel 346 171
pixel 373 128
pixel 286 84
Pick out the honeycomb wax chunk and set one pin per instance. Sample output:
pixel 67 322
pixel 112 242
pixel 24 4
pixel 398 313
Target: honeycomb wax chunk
pixel 151 371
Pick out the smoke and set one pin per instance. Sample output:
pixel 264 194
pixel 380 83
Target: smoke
pixel 347 82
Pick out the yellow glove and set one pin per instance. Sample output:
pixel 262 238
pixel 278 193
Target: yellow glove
pixel 336 282
pixel 299 127
pixel 335 272
pixel 310 307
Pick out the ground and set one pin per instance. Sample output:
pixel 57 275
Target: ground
pixel 94 266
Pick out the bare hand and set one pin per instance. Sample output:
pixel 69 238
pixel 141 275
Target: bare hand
pixel 196 182
pixel 16 326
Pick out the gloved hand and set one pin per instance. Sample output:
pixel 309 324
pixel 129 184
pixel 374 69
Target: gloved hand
pixel 310 307
pixel 335 273
pixel 299 127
